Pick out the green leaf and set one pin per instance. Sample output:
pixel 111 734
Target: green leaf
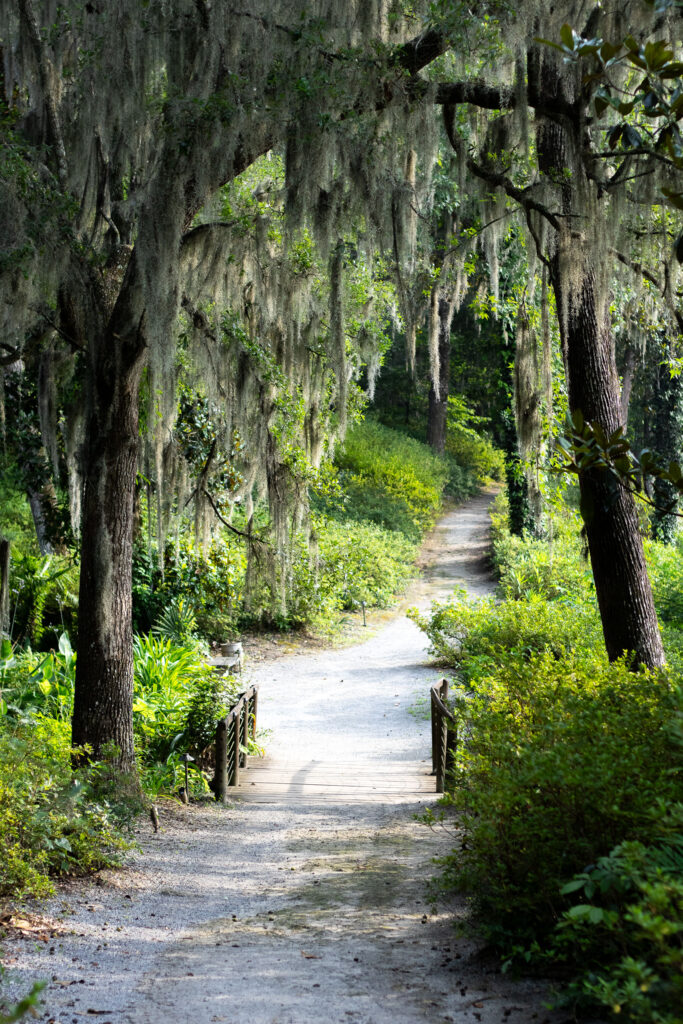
pixel 567 36
pixel 609 50
pixel 678 248
pixel 573 886
pixel 614 136
pixel 631 137
pixel 601 104
pixel 675 198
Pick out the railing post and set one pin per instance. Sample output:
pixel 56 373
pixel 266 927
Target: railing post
pixel 442 754
pixel 254 711
pixel 221 776
pixel 236 716
pixel 435 733
pixel 244 726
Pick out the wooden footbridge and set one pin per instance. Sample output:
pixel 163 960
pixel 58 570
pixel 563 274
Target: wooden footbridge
pixel 310 781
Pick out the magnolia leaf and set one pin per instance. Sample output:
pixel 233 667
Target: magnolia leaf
pixel 567 36
pixel 631 136
pixel 608 51
pixel 675 198
pixel 601 104
pixel 678 248
pixel 614 135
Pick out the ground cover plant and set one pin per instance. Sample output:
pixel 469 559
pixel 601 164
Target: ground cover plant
pixel 568 781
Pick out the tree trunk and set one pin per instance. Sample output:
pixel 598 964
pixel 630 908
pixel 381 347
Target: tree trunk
pixel 627 382
pixel 579 252
pixel 629 621
pixel 666 412
pixel 103 716
pixel 4 586
pixel 438 399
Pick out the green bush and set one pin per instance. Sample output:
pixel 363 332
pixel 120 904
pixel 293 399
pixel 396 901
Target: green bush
pixel 44 598
pixel 475 452
pixel 665 566
pixel 356 562
pixel 626 933
pixel 178 700
pixel 552 568
pixel 477 637
pixel 53 820
pixel 211 585
pixel 560 761
pixel 462 483
pixel 382 462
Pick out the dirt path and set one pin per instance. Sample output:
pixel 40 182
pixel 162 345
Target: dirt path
pixel 296 907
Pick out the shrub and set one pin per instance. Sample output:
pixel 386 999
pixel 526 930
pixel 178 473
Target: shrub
pixel 561 760
pixel 356 562
pixel 44 593
pixel 210 585
pixel 665 566
pixel 477 637
pixel 469 446
pixel 408 475
pixel 53 820
pixel 462 483
pixel 626 933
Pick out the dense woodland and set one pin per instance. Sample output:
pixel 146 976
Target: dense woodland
pixel 278 282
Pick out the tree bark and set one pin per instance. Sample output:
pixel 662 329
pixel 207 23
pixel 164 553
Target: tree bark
pixel 438 398
pixel 627 382
pixel 629 620
pixel 103 717
pixel 666 423
pixel 4 586
pixel 622 586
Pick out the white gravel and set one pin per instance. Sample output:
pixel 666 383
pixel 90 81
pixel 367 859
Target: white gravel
pixel 292 913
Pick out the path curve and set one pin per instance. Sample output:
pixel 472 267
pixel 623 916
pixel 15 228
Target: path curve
pixel 290 908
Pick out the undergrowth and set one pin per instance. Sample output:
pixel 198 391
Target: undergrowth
pixel 568 780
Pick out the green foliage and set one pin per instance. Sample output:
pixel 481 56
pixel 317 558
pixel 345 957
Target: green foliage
pixel 357 562
pixel 210 584
pixel 561 760
pixel 553 568
pixel 42 683
pixel 665 565
pixel 44 597
pixel 627 932
pixel 28 1004
pixel 478 637
pixel 54 820
pixel 391 479
pixel 470 448
pixel 178 700
pixel 177 622
pixel 568 778
pixel 165 675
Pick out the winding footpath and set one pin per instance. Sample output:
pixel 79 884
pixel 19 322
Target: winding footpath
pixel 305 900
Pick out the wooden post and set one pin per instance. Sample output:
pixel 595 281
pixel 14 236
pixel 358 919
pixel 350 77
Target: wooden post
pixel 244 732
pixel 221 776
pixel 254 712
pixel 442 757
pixel 236 717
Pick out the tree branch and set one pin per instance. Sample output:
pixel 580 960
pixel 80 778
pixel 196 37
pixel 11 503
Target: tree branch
pixel 240 533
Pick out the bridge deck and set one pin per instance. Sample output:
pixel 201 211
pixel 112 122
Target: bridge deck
pixel 271 780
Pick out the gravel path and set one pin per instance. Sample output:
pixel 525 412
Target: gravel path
pixel 290 912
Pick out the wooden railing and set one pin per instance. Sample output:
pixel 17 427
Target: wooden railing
pixel 232 736
pixel 444 734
